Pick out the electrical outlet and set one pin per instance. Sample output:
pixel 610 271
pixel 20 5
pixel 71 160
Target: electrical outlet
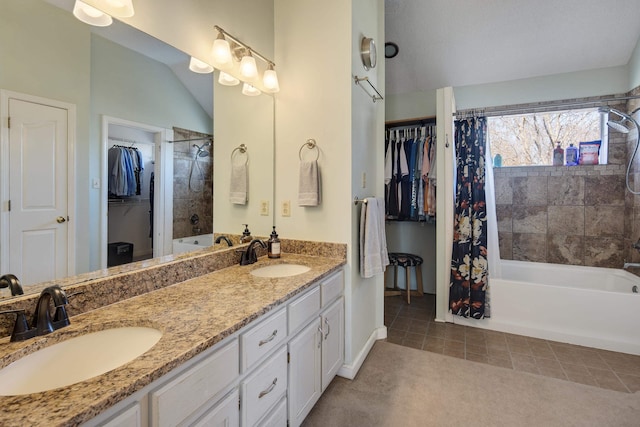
pixel 286 208
pixel 264 207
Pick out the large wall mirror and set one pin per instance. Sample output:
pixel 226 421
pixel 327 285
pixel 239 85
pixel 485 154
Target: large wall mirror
pixel 130 90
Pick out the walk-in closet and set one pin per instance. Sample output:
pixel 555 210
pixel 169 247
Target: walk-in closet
pixel 410 211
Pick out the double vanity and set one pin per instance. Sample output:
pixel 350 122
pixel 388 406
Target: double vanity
pixel 241 345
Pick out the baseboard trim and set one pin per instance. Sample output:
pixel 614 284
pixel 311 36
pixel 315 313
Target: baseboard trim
pixel 350 371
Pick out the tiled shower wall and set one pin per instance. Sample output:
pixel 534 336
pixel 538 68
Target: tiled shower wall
pixel 188 200
pixel 579 215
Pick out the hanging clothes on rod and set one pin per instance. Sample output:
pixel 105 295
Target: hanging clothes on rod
pixel 410 172
pixel 125 166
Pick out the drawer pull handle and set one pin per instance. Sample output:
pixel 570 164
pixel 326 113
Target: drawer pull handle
pixel 268 390
pixel 321 333
pixel 268 340
pixel 326 322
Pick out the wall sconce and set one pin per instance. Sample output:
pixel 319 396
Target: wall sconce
pixel 198 66
pixel 96 17
pixel 226 48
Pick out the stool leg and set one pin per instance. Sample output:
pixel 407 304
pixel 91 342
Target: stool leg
pixel 419 280
pixel 395 277
pixel 406 275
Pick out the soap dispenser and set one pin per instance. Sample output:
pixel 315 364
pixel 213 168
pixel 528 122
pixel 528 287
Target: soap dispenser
pixel 273 245
pixel 558 155
pixel 246 234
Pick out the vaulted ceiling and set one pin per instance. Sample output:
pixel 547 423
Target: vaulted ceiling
pixel 468 42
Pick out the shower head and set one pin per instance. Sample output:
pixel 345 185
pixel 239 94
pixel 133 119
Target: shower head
pixel 618 125
pixel 201 151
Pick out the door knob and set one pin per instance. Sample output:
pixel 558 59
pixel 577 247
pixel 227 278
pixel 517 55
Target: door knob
pixel 61 219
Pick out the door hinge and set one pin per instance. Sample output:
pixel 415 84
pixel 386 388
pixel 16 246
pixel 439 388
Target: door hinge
pixel 239 404
pixel 288 357
pixel 9 206
pixel 9 122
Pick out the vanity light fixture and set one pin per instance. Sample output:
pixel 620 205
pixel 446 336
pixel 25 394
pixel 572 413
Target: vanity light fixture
pixel 227 79
pixel 90 15
pixel 248 67
pixel 250 90
pixel 226 48
pixel 198 66
pixel 270 79
pixel 221 52
pixel 120 8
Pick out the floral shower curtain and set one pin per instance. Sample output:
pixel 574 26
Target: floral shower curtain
pixel 469 284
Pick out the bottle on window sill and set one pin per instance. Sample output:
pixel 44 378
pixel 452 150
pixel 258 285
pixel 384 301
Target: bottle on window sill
pixel 558 155
pixel 572 155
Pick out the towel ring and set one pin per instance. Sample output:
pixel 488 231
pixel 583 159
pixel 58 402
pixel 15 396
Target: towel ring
pixel 310 144
pixel 243 150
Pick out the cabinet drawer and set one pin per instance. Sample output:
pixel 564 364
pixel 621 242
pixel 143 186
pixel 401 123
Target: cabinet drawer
pixel 277 417
pixel 331 287
pixel 265 336
pixel 262 389
pixel 179 398
pixel 303 309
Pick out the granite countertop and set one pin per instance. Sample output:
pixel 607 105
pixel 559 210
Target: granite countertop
pixel 193 315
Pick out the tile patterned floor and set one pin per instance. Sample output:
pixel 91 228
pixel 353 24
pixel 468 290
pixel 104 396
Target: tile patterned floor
pixel 413 326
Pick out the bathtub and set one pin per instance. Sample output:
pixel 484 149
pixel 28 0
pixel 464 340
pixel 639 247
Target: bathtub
pixel 589 306
pixel 188 244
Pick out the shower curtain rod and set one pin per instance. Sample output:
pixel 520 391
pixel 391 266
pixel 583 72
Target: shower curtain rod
pixel 192 139
pixel 551 106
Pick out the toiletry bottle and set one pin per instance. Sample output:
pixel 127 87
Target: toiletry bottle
pixel 572 155
pixel 274 245
pixel 246 234
pixel 558 155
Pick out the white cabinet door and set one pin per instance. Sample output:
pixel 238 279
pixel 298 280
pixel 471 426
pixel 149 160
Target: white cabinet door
pixel 130 417
pixel 224 414
pixel 304 372
pixel 332 341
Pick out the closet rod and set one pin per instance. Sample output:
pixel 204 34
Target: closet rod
pixel 420 121
pixel 528 108
pixel 128 141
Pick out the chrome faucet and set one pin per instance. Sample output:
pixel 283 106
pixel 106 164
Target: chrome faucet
pixel 11 281
pixel 630 264
pixel 225 238
pixel 249 255
pixel 42 321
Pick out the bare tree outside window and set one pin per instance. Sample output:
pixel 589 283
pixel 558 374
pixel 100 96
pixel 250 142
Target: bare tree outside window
pixel 529 139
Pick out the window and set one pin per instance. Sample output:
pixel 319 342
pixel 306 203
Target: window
pixel 529 139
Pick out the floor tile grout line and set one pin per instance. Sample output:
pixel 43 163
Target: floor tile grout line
pixel 554 352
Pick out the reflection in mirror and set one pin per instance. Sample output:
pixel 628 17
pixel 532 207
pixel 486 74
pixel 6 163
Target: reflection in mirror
pixel 54 56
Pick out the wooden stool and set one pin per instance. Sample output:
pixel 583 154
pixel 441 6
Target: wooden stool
pixel 405 260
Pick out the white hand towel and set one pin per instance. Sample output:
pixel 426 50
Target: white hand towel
pixel 238 186
pixel 309 184
pixel 373 240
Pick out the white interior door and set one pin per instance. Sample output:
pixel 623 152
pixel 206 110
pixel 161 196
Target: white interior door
pixel 38 186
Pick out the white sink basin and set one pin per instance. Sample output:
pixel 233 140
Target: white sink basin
pixel 76 359
pixel 280 270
